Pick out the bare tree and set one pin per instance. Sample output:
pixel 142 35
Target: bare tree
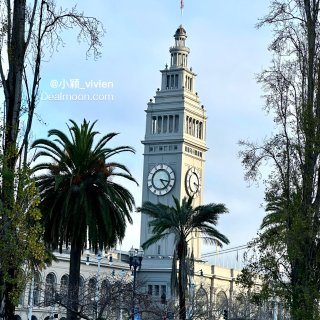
pixel 240 306
pixel 109 299
pixel 287 250
pixel 30 32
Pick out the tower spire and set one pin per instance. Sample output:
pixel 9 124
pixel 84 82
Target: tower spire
pixel 179 52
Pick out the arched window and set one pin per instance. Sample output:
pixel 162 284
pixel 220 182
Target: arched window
pixel 104 287
pixel 159 128
pixel 34 318
pixel 202 301
pixel 92 290
pixel 50 289
pixel 104 292
pixel 221 302
pixel 16 317
pixel 64 282
pixel 200 130
pixel 36 289
pixel 21 298
pixel 190 126
pixel 81 289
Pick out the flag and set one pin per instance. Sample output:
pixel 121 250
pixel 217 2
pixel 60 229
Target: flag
pixel 181 4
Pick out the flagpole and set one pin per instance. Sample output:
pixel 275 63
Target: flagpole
pixel 181 8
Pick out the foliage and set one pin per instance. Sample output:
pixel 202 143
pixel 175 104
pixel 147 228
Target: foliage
pixel 80 200
pixel 182 221
pixel 286 251
pixel 21 235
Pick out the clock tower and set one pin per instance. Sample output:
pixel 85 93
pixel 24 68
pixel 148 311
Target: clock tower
pixel 174 143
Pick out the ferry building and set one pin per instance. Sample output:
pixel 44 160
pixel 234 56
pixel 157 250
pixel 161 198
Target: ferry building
pixel 174 165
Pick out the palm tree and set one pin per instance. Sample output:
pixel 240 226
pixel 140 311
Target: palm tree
pixel 182 221
pixel 80 197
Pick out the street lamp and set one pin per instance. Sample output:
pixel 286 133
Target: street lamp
pixel 99 258
pixel 135 262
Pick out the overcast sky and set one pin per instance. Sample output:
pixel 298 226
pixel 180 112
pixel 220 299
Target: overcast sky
pixel 226 53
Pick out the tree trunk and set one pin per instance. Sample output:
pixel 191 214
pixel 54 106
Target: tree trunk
pixel 74 280
pixel 182 290
pixel 13 94
pixel 182 278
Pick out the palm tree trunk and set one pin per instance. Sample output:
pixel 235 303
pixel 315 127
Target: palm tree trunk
pixel 74 279
pixel 182 287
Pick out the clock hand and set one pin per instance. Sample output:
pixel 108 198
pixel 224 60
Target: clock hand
pixel 163 182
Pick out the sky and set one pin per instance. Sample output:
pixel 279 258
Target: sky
pixel 227 52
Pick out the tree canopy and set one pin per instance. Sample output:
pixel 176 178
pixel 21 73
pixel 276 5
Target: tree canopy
pixel 287 248
pixel 81 202
pixel 183 220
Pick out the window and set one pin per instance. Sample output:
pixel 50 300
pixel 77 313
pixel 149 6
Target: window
pixel 21 298
pixel 150 289
pixel 159 249
pixel 175 59
pixel 159 124
pixel 163 289
pixel 186 124
pixel 81 289
pixel 222 300
pixel 50 288
pixel 149 228
pixel 64 288
pixel 176 123
pixel 170 124
pixel 154 125
pixel 197 129
pixel 156 290
pixel 165 124
pixel 103 293
pixel 200 130
pixel 202 302
pixel 36 289
pixel 92 290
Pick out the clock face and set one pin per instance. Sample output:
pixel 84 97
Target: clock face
pixel 193 183
pixel 161 179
